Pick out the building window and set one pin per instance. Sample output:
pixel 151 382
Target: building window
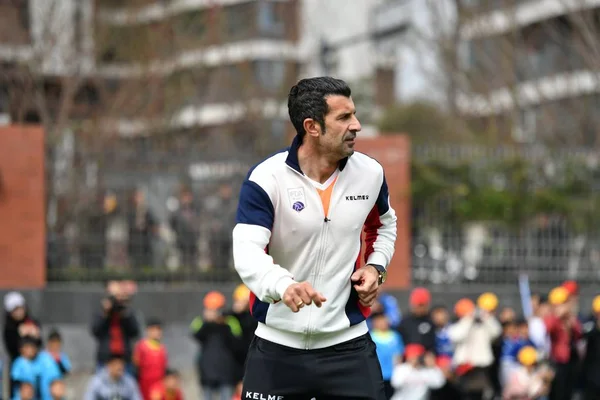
pixel 269 21
pixel 236 21
pixel 191 26
pixel 525 125
pixel 270 75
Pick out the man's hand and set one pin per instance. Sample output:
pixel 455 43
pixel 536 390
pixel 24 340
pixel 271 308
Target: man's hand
pixel 366 283
pixel 297 295
pixel 107 305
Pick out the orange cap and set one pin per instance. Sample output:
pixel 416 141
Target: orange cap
pixel 214 300
pixel 420 297
pixel 414 350
pixel 464 307
pixel 572 287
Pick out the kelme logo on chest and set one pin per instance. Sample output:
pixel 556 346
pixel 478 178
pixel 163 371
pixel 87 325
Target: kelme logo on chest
pixel 358 197
pixel 297 199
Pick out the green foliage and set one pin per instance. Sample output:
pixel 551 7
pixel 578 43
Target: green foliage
pixel 510 191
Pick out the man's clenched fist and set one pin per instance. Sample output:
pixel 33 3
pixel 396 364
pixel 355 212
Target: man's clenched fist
pixel 301 294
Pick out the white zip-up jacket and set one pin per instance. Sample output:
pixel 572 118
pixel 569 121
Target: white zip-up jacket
pixel 282 236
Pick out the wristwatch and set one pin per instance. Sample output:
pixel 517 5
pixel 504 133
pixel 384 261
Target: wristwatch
pixel 382 273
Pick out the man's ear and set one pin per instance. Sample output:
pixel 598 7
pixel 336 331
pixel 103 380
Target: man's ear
pixel 312 127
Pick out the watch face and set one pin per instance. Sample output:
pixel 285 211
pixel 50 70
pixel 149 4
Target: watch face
pixel 383 276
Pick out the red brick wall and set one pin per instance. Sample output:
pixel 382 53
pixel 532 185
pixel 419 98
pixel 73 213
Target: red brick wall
pixel 393 152
pixel 22 208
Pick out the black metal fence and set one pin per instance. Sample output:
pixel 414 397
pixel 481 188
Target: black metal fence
pixel 485 221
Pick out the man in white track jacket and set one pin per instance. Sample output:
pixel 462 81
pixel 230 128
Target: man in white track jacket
pixel 297 245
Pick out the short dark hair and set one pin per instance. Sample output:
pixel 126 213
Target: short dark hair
pixel 308 99
pixel 54 335
pixel 153 322
pixel 378 314
pixel 115 357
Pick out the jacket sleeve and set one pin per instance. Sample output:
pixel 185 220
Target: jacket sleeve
pixel 459 331
pixel 11 339
pixel 90 393
pixel 433 377
pixel 380 230
pixel 130 324
pixel 251 235
pixel 100 326
pixel 400 375
pixel 492 326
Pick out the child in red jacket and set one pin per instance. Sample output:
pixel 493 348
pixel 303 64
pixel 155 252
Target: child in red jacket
pixel 168 388
pixel 150 358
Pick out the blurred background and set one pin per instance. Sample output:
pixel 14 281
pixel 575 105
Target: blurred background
pixel 153 111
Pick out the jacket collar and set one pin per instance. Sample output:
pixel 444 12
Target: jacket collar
pixel 292 158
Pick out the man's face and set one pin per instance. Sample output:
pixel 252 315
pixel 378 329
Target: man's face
pixel 116 369
pixel 420 309
pixel 341 127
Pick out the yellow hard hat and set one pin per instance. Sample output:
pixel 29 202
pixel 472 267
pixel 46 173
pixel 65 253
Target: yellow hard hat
pixel 527 356
pixel 558 296
pixel 241 292
pixel 488 302
pixel 596 304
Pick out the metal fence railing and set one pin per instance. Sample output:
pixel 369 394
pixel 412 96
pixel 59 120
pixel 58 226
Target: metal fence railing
pixel 479 215
pixel 486 215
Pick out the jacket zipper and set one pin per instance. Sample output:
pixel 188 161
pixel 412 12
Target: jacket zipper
pixel 320 258
pixel 323 242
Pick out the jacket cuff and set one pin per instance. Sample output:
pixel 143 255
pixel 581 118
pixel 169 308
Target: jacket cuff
pixel 377 259
pixel 282 285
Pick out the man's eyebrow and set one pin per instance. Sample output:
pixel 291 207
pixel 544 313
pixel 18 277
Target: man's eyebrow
pixel 346 113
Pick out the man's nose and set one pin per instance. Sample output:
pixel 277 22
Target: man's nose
pixel 355 125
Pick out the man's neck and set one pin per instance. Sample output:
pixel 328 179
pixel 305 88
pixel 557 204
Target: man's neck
pixel 315 165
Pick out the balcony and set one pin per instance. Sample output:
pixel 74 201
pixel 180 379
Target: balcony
pixel 162 9
pixel 525 13
pixel 265 29
pixel 14 23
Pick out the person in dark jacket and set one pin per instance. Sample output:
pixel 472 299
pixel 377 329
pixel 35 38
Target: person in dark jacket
pixel 591 362
pixel 17 324
pixel 241 311
pixel 186 222
pixel 220 338
pixel 418 327
pixel 115 326
pixel 142 228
